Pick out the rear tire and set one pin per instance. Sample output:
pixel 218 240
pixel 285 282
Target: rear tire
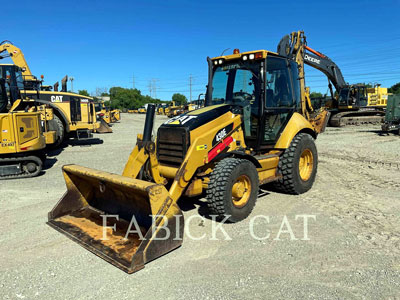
pixel 233 189
pixel 58 126
pixel 298 166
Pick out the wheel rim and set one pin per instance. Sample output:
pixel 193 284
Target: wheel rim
pixel 241 191
pixel 306 164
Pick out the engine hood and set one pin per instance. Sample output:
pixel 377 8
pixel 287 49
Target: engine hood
pixel 194 119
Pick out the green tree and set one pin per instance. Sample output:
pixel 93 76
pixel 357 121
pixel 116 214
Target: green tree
pixel 129 98
pixel 395 89
pixel 83 92
pixel 179 99
pixel 315 95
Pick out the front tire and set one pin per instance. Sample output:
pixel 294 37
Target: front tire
pixel 298 166
pixel 233 189
pixel 58 126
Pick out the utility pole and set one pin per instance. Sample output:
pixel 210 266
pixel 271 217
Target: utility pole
pixel 190 86
pixel 154 86
pixel 150 86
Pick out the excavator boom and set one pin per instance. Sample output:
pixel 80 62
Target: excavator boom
pixel 16 55
pixel 352 105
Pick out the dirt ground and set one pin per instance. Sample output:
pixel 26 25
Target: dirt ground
pixel 352 251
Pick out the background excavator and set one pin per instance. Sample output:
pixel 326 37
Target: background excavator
pixel 256 128
pixel 354 104
pixel 74 114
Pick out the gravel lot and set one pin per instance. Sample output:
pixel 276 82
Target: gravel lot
pixel 352 252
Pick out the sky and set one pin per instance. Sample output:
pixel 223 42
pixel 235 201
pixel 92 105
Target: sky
pixel 163 44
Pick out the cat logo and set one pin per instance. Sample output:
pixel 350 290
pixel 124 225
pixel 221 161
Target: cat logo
pixel 180 120
pixel 56 98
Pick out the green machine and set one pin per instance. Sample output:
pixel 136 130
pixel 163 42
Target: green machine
pixel 392 117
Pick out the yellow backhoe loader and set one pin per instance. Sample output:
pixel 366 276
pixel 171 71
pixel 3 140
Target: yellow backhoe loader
pixel 257 127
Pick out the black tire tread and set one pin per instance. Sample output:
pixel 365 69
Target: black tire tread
pixel 286 184
pixel 60 132
pixel 217 185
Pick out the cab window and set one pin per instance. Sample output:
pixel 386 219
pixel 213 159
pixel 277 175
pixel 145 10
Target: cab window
pixel 296 82
pixel 278 84
pixel 280 100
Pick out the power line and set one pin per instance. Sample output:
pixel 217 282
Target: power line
pixel 133 81
pixel 150 87
pixel 153 87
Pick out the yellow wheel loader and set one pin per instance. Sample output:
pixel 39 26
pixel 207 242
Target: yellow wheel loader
pixel 103 116
pixel 115 115
pixel 21 141
pixel 142 110
pixel 108 115
pixel 255 128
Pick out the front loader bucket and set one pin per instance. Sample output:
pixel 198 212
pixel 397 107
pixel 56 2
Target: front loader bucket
pixel 104 127
pixel 99 208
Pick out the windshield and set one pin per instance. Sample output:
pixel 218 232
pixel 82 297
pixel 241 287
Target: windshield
pixel 236 83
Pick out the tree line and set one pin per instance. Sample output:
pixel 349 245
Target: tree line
pixel 123 98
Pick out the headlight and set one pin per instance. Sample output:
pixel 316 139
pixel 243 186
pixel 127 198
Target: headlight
pixel 244 57
pixel 220 61
pixel 215 62
pixel 251 56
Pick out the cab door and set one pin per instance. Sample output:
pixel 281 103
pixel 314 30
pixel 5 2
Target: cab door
pixel 282 98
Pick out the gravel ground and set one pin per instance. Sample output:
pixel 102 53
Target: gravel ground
pixel 352 252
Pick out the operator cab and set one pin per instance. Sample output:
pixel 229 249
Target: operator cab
pixel 266 88
pixel 353 97
pixel 13 81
